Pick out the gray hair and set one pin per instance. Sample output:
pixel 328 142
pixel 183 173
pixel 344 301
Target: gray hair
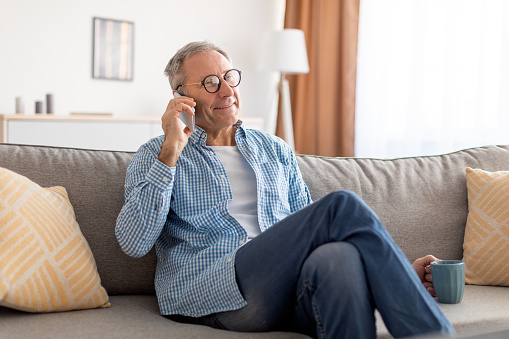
pixel 175 70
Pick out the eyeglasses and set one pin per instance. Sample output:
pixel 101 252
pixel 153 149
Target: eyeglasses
pixel 212 83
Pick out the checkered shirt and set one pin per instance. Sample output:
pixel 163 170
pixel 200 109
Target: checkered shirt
pixel 183 211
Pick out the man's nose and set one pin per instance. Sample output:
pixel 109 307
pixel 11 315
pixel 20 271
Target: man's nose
pixel 225 89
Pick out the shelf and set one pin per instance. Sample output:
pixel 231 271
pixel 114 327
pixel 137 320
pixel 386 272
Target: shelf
pixel 101 132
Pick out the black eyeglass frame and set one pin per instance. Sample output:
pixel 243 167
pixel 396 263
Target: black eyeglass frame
pixel 219 83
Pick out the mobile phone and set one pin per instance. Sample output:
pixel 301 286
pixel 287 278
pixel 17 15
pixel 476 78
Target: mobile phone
pixel 187 119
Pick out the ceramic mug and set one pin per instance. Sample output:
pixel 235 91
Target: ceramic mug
pixel 448 280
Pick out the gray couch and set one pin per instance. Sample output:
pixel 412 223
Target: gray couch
pixel 422 201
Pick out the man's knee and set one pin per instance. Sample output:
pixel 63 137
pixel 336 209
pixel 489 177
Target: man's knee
pixel 343 196
pixel 347 202
pixel 336 261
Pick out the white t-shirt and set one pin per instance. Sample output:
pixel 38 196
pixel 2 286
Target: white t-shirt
pixel 242 179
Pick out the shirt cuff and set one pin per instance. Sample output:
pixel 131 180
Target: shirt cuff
pixel 161 175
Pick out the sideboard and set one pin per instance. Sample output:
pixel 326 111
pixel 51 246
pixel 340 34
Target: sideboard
pixel 101 132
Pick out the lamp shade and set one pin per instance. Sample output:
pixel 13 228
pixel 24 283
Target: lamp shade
pixel 284 51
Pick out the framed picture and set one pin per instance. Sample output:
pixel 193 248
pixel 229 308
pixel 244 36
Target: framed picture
pixel 113 49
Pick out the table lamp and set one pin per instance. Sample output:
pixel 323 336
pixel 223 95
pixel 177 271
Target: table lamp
pixel 285 51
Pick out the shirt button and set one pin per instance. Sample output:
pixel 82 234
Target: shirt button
pixel 166 179
pixel 222 176
pixel 241 242
pixel 229 260
pixel 227 217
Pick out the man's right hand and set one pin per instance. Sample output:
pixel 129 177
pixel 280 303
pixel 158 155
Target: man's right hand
pixel 175 138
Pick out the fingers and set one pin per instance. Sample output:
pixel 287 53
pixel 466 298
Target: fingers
pixel 180 104
pixel 187 131
pixel 423 265
pixel 428 270
pixel 174 108
pixel 428 259
pixel 430 289
pixel 183 99
pixel 175 137
pixel 182 107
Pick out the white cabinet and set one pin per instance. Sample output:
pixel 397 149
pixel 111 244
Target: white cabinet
pixel 83 131
pixel 102 133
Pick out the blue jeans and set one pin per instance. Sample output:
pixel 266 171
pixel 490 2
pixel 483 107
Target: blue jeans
pixel 323 270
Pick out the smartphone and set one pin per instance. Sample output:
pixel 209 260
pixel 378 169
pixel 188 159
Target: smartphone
pixel 187 119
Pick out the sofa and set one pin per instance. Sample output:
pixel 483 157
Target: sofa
pixel 421 200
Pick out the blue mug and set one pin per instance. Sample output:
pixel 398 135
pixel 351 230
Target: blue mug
pixel 448 280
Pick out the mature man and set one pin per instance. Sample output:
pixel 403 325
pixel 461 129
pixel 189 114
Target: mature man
pixel 240 245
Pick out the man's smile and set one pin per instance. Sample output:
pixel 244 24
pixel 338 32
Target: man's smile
pixel 225 107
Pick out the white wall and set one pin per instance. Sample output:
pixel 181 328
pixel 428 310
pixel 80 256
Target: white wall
pixel 46 47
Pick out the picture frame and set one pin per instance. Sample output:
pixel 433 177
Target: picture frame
pixel 113 49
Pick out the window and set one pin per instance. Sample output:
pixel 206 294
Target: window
pixel 432 76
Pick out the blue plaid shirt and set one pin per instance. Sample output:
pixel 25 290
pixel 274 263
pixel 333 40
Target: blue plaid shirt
pixel 183 211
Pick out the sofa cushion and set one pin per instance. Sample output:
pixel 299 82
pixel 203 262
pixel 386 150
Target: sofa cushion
pixel 422 201
pixel 94 181
pixel 134 316
pixel 138 316
pixel 45 263
pixel 482 307
pixel 486 246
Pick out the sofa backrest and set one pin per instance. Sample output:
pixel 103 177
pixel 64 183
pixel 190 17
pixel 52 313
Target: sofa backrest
pixel 422 201
pixel 94 181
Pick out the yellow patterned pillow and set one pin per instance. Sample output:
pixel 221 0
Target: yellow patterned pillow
pixel 486 245
pixel 45 262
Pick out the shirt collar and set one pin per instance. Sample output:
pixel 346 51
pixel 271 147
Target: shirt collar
pixel 199 135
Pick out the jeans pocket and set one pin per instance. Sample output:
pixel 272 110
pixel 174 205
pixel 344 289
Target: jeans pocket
pixel 208 320
pixel 217 323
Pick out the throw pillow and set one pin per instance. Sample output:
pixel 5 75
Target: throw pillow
pixel 486 244
pixel 46 264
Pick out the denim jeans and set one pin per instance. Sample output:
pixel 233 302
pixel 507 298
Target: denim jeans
pixel 323 270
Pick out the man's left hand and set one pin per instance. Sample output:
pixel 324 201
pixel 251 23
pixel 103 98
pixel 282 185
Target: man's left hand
pixel 423 269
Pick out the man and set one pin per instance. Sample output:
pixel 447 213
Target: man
pixel 240 245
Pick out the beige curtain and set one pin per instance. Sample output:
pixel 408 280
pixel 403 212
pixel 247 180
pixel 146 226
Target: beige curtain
pixel 323 101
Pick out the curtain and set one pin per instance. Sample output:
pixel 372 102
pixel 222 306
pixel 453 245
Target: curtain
pixel 432 76
pixel 323 101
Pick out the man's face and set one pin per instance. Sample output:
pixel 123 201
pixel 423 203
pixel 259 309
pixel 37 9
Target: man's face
pixel 214 111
